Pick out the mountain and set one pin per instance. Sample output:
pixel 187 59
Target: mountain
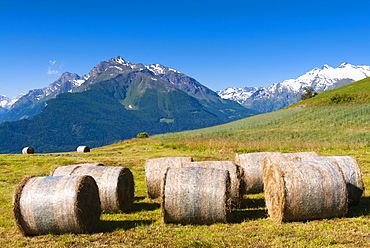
pixel 34 101
pixel 116 100
pixel 6 103
pixel 280 95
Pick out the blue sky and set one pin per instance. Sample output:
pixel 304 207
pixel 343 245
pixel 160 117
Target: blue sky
pixel 219 43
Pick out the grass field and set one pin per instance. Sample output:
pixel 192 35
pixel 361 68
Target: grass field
pixel 341 129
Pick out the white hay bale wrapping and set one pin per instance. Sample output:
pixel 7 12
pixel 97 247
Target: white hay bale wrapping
pixel 116 184
pixel 82 149
pixel 352 176
pixel 252 164
pixel 234 172
pixel 28 150
pixel 156 168
pixel 195 195
pixel 304 190
pixel 61 204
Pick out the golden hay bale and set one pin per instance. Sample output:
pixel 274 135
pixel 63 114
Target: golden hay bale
pixel 251 165
pixel 156 168
pixel 83 149
pixel 64 204
pixel 352 176
pixel 28 150
pixel 116 184
pixel 234 172
pixel 195 195
pixel 304 190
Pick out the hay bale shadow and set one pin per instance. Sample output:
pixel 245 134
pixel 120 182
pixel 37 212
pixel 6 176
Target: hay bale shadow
pixel 143 206
pixel 362 209
pixel 253 203
pixel 239 216
pixel 110 226
pixel 250 209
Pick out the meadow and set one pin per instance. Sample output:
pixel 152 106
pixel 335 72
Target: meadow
pixel 339 129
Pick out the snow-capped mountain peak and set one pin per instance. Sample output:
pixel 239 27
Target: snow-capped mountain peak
pixel 280 95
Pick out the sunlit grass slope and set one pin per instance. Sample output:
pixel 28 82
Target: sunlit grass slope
pixel 329 129
pixel 339 117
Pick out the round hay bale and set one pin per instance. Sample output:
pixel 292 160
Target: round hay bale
pixel 195 195
pixel 234 172
pixel 28 150
pixel 82 149
pixel 156 168
pixel 252 164
pixel 68 169
pixel 116 184
pixel 300 156
pixel 304 190
pixel 64 204
pixel 352 176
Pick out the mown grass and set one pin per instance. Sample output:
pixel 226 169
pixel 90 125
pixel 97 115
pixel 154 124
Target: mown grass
pixel 338 130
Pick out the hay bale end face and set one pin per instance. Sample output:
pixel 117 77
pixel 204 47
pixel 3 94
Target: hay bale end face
pixel 352 176
pixel 304 190
pixel 156 168
pixel 82 149
pixel 28 150
pixel 234 172
pixel 251 165
pixel 116 184
pixel 65 204
pixel 196 195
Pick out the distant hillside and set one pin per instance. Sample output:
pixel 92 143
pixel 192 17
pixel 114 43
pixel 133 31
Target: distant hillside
pixel 115 101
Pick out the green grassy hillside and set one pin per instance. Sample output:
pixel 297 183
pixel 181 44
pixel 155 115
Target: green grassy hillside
pixel 329 129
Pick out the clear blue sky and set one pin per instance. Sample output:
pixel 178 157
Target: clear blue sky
pixel 219 43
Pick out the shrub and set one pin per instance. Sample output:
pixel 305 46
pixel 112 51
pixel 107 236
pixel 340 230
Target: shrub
pixel 310 92
pixel 142 135
pixel 342 98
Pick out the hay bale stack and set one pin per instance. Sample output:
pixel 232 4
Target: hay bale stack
pixel 116 184
pixel 64 204
pixel 82 149
pixel 195 195
pixel 304 190
pixel 156 168
pixel 251 165
pixel 28 150
pixel 352 176
pixel 234 172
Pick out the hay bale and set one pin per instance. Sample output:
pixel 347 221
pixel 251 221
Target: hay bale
pixel 64 204
pixel 116 184
pixel 352 176
pixel 156 168
pixel 195 195
pixel 68 169
pixel 300 156
pixel 251 165
pixel 82 149
pixel 28 150
pixel 304 190
pixel 234 172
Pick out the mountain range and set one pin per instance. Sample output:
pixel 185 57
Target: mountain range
pixel 280 95
pixel 116 100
